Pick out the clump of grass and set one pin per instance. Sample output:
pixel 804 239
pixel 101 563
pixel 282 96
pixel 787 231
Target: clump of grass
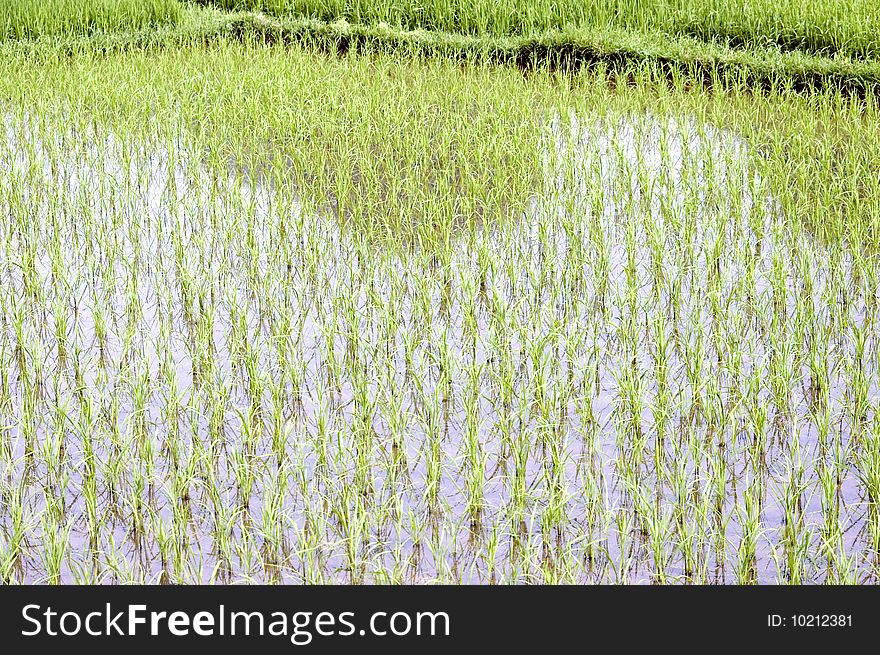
pixel 832 26
pixel 21 19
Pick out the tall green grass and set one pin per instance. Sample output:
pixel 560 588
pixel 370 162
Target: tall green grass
pixel 825 26
pixel 31 18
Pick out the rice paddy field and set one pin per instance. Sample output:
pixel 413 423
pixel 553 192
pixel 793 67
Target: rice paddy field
pixel 286 314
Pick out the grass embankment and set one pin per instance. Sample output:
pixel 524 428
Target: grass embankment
pixel 616 50
pixel 848 27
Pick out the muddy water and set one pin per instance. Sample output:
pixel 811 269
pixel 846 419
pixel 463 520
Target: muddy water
pixel 495 415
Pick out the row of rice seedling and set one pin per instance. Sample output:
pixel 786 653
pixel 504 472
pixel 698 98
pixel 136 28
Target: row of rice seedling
pixel 273 316
pixel 826 26
pixel 107 26
pixel 34 18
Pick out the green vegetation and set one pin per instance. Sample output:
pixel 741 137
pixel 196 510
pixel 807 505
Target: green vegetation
pixel 459 292
pixel 704 63
pixel 850 27
pixel 609 35
pixel 275 315
pixel 32 18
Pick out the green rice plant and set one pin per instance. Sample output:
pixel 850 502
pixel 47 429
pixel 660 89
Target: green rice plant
pixel 270 314
pixel 34 18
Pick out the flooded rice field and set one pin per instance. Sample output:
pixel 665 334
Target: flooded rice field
pixel 654 375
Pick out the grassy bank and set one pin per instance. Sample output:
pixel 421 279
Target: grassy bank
pixel 615 50
pixel 849 27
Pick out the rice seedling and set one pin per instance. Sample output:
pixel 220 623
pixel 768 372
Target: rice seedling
pixel 269 314
pixel 21 19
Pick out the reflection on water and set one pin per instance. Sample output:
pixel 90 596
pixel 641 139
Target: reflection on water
pixel 203 382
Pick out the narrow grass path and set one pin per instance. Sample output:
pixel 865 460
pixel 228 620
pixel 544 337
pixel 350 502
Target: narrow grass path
pixel 817 27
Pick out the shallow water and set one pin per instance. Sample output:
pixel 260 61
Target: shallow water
pixel 493 413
